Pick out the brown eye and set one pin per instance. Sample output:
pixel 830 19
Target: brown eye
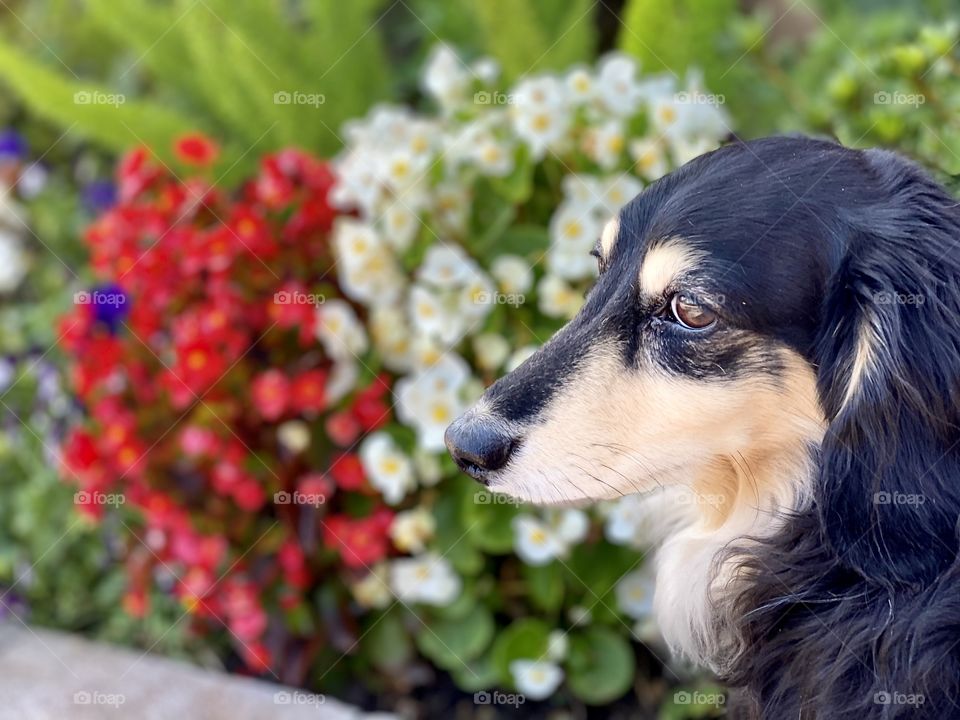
pixel 691 314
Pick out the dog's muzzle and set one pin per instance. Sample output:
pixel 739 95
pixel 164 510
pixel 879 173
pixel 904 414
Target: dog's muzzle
pixel 480 444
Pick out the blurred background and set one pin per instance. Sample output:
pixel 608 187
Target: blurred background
pixel 256 254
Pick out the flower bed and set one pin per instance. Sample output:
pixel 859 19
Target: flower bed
pixel 244 352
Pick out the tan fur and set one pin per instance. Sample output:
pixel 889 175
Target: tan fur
pixel 733 453
pixel 608 237
pixel 663 263
pixel 867 340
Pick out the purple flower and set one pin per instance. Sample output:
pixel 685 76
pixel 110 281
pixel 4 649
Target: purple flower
pixel 100 195
pixel 13 146
pixel 110 304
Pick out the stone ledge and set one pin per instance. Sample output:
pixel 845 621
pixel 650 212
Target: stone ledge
pixel 47 675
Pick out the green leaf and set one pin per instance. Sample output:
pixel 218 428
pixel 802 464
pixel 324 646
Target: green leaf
pixel 479 674
pixel 91 111
pixel 387 641
pixel 601 665
pixel 452 643
pixel 526 638
pixel 545 585
pixel 522 240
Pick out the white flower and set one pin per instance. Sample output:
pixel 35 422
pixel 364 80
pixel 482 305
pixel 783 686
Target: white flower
pixel 13 261
pixel 574 226
pixel 557 299
pixel 445 266
pixel 570 525
pixel 571 263
pixel 430 400
pixel 391 336
pixel 629 521
pixel 412 529
pixel 540 114
pixel 427 579
pixel 580 84
pixel 618 191
pixel 579 615
pixel 491 351
pixel 340 331
pixel 585 191
pixel 649 158
pixel 492 157
pixel 400 225
pixel 616 85
pixel 294 435
pixel 355 241
pixel 520 356
pixel 429 469
pixel 512 273
pixel 535 542
pixel 343 378
pixel 446 78
pixel 536 679
pixel 557 645
pixel 487 70
pixel 389 470
pixel 451 206
pixel 429 315
pixel 373 591
pixel 604 144
pixel 634 594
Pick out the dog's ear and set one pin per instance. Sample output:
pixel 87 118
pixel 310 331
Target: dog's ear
pixel 888 364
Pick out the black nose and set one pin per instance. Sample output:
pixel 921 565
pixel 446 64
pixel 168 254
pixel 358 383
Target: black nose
pixel 479 444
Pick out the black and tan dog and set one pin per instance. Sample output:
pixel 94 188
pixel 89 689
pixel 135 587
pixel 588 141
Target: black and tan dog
pixel 776 326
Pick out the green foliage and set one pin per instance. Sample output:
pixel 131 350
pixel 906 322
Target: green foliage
pixel 888 83
pixel 526 36
pixel 259 75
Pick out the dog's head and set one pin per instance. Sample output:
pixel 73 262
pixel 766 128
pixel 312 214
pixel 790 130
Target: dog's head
pixel 753 311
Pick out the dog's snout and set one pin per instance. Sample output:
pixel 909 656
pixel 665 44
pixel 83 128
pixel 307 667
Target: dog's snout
pixel 479 444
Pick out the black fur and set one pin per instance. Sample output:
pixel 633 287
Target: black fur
pixel 852 611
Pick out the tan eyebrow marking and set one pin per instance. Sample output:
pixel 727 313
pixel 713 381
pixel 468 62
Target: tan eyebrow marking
pixel 663 263
pixel 608 237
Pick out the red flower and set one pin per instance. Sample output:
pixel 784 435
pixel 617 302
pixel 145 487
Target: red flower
pixel 196 149
pixel 347 471
pixel 271 394
pixel 317 485
pixel 370 406
pixel 309 392
pixel 362 542
pixel 135 603
pixel 199 365
pixel 293 563
pixel 248 494
pixel 342 428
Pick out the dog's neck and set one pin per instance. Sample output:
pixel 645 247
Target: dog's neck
pixel 733 501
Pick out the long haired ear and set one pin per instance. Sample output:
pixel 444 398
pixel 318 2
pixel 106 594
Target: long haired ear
pixel 889 379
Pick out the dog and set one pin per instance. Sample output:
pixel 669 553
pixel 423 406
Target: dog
pixel 775 327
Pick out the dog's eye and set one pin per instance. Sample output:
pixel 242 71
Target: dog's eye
pixel 691 314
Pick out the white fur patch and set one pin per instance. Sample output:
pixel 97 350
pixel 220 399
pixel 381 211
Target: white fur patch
pixel 608 237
